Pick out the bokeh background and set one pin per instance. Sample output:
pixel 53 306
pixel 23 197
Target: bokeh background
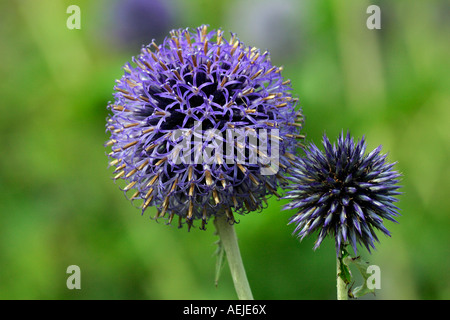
pixel 60 207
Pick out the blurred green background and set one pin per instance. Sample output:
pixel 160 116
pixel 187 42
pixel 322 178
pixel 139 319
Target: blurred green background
pixel 59 205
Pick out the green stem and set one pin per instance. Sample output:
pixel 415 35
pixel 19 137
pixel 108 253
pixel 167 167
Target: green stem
pixel 342 292
pixel 229 241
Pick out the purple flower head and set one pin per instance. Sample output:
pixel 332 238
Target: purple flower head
pixel 343 192
pixel 202 126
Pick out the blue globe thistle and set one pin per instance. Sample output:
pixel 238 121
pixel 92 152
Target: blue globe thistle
pixel 194 83
pixel 343 192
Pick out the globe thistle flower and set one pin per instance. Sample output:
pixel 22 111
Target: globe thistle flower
pixel 197 82
pixel 343 192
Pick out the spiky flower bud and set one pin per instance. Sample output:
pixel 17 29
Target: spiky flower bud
pixel 179 117
pixel 343 192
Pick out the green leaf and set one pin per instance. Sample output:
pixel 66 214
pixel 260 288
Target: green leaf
pixel 362 290
pixel 344 273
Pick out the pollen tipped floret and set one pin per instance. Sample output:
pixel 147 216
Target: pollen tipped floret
pixel 343 192
pixel 194 83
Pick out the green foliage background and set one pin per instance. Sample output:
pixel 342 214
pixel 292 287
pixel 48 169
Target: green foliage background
pixel 59 206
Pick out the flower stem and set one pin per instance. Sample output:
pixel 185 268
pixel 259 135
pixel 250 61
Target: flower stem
pixel 229 241
pixel 342 293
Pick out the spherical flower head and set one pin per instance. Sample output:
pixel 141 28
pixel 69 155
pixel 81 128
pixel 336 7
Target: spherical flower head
pixel 343 192
pixel 202 126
